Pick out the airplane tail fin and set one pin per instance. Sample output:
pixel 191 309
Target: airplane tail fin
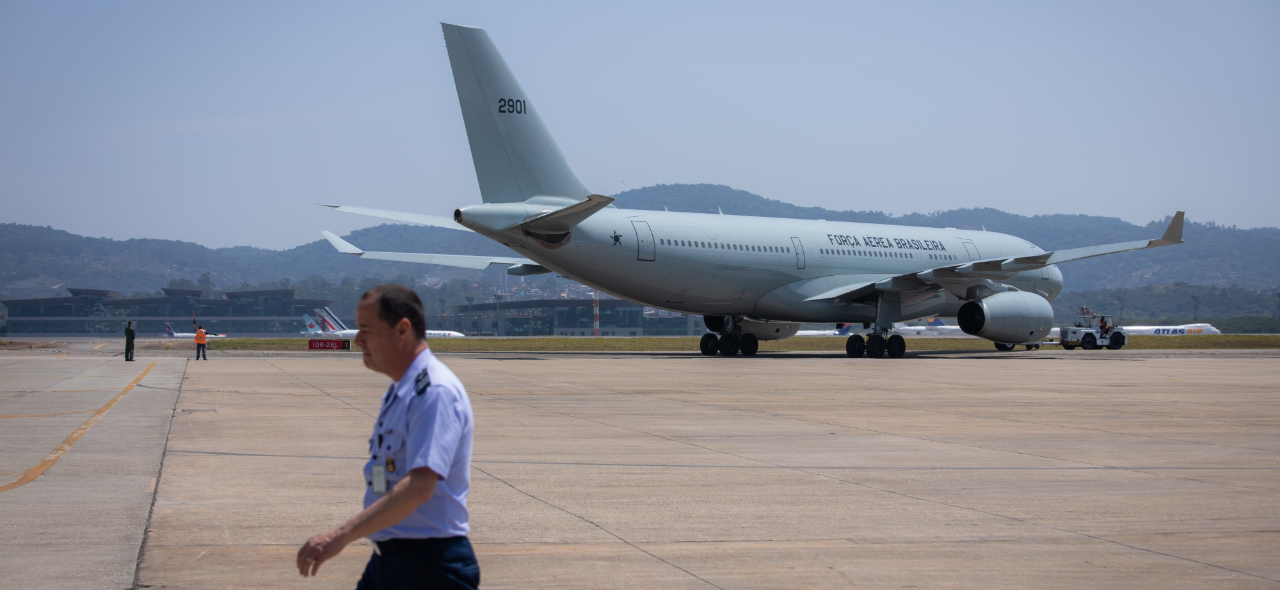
pixel 312 326
pixel 514 155
pixel 843 330
pixel 934 322
pixel 330 318
pixel 169 328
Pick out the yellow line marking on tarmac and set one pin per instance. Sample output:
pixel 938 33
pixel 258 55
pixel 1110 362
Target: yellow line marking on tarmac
pixel 64 355
pixel 66 445
pixel 101 345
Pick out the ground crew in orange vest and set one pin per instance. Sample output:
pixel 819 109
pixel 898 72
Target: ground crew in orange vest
pixel 202 340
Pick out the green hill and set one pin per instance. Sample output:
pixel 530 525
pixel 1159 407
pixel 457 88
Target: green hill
pixel 1213 255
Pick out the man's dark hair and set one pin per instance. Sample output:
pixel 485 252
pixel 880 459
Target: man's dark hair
pixel 397 302
pixel 200 328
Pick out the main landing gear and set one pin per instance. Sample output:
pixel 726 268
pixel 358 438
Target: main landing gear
pixel 876 346
pixel 729 344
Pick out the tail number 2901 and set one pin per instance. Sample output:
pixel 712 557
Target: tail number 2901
pixel 511 105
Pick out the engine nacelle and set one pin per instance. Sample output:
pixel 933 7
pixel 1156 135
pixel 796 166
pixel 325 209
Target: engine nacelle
pixel 1013 317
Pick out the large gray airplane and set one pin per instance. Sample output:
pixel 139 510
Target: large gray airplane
pixel 752 278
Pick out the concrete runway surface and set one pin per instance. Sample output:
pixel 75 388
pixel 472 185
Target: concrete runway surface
pixel 1108 469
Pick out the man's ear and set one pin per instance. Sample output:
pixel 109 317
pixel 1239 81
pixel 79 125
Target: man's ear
pixel 404 327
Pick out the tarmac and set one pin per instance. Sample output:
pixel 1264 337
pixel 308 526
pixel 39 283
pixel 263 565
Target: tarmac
pixel 1041 469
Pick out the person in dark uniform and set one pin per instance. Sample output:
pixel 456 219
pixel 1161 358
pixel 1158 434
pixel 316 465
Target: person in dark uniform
pixel 128 342
pixel 419 470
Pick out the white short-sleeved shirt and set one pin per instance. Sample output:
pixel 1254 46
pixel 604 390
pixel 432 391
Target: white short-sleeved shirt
pixel 425 421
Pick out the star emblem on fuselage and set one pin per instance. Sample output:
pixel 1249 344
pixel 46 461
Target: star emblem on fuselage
pixel 617 238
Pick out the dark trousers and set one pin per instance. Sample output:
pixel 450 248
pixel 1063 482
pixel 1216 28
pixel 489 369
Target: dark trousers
pixel 200 352
pixel 128 351
pixel 422 563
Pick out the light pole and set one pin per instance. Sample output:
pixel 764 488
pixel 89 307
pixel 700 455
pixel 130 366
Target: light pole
pixel 497 302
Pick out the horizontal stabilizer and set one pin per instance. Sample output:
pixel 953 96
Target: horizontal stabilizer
pixel 455 260
pixel 340 244
pixel 569 215
pixel 418 218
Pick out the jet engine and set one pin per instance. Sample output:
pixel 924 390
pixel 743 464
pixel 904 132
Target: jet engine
pixel 1012 317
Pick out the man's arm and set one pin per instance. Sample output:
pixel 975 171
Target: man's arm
pixel 403 498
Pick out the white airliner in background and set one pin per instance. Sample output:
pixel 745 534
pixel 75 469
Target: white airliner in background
pixel 936 325
pixel 1183 330
pixel 175 334
pixel 838 331
pixel 330 325
pixel 751 278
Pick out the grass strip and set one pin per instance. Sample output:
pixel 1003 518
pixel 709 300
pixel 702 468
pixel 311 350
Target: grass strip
pixel 690 343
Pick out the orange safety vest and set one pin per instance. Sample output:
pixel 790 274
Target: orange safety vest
pixel 200 337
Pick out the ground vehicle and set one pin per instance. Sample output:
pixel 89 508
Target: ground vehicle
pixel 1091 332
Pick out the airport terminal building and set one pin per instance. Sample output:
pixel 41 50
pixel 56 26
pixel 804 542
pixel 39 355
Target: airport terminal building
pixel 566 317
pixel 100 311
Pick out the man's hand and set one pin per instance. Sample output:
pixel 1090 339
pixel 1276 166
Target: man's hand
pixel 319 549
pixel 417 487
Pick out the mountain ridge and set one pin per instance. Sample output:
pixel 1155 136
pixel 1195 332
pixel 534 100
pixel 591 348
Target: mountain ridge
pixel 1212 255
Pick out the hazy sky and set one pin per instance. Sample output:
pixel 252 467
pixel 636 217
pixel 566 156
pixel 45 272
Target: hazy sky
pixel 223 122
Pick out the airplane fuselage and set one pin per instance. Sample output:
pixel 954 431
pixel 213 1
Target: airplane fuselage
pixel 758 267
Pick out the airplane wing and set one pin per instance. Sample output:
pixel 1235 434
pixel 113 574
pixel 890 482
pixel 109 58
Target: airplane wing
pixel 418 218
pixel 994 268
pixel 458 260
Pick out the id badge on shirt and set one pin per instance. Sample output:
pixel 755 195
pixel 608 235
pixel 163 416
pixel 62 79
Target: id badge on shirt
pixel 379 480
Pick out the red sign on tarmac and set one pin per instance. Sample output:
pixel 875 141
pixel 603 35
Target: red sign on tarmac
pixel 329 345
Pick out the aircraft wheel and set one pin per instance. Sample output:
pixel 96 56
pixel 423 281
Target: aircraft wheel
pixel 875 347
pixel 1002 347
pixel 1117 342
pixel 709 344
pixel 896 346
pixel 1089 342
pixel 748 344
pixel 728 345
pixel 855 346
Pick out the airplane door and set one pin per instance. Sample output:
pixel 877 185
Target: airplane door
pixel 644 240
pixel 795 242
pixel 973 251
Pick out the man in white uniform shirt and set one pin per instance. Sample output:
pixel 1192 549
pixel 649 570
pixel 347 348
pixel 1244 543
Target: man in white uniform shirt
pixel 419 468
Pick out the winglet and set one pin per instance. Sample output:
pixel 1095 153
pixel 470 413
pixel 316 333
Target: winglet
pixel 341 245
pixel 1173 234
